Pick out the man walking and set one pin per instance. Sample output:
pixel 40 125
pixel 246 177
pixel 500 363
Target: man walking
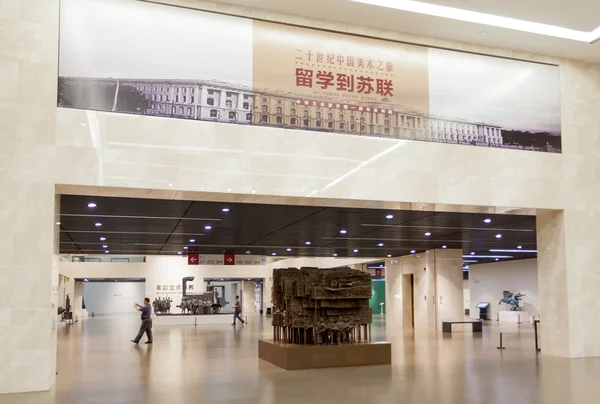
pixel 237 310
pixel 146 326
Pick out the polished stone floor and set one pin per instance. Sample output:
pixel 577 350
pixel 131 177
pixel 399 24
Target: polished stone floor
pixel 218 364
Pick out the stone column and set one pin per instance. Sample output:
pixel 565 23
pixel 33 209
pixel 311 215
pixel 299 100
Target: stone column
pixel 77 301
pixel 248 298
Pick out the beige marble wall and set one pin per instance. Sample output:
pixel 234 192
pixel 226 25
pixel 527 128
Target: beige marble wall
pixel 435 273
pixel 41 146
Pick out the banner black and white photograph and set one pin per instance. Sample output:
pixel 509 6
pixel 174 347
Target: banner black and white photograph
pixel 169 62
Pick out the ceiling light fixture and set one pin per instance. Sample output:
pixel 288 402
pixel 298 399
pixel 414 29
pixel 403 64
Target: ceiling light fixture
pixel 185 248
pixel 104 246
pixel 389 217
pixel 289 249
pixel 380 245
pixel 498 235
pixel 274 254
pixel 355 250
pixel 335 255
pixel 106 252
pixel 308 243
pixel 519 247
pixel 102 238
pixel 488 256
pixel 343 231
pixel 226 210
pixel 92 205
pixel 98 224
pixel 389 255
pixel 444 247
pixel 486 19
pixel 412 251
pixel 179 252
pixel 207 227
pixel 192 240
pixel 427 234
pixel 472 253
pixel 488 221
pixel 58 223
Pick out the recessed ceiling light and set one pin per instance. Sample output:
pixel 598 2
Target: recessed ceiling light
pixel 335 255
pixel 412 251
pixel 274 254
pixel 98 224
pixel 498 235
pixel 308 243
pixel 472 253
pixel 104 246
pixel 389 255
pixel 207 227
pixel 519 247
pixel 444 247
pixel 427 234
pixel 185 248
pixel 179 252
pixel 102 238
pixel 170 185
pixel 192 240
pixel 92 205
pixel 289 249
pixel 225 210
pixel 488 221
pixel 106 252
pixel 58 223
pixel 355 250
pixel 497 259
pixel 389 216
pixel 486 19
pixel 380 245
pixel 343 231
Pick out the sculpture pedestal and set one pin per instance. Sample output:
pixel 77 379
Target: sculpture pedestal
pixel 513 316
pixel 294 357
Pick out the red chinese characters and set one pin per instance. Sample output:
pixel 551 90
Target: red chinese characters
pixel 324 79
pixel 344 82
pixel 304 78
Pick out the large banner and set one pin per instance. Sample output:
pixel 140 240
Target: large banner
pixel 141 58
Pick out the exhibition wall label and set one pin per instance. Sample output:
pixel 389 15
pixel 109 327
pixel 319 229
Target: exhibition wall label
pixel 135 57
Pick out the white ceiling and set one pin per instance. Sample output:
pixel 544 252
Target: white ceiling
pixel 575 14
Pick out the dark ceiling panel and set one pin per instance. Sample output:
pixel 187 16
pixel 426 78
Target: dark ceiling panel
pixel 150 226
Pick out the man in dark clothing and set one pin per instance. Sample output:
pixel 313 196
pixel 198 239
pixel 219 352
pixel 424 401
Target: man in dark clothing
pixel 146 327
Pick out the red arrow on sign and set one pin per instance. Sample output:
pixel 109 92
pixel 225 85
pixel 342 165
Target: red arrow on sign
pixel 193 259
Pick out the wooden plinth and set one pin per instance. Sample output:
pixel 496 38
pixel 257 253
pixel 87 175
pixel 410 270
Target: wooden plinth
pixel 294 357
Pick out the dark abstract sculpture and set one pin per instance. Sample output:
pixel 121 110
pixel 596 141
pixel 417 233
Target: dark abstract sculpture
pixel 512 299
pixel 321 306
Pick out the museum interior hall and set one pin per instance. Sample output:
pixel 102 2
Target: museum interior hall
pixel 267 201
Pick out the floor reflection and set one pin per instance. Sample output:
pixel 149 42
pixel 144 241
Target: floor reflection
pixel 218 364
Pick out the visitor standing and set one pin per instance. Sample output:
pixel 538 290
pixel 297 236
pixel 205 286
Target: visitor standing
pixel 237 310
pixel 146 326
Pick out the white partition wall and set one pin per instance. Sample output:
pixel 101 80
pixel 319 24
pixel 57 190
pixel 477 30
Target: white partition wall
pixel 488 281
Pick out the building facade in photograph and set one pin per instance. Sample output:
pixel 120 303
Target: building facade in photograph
pixel 223 102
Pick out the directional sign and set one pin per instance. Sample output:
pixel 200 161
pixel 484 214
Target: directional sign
pixel 229 259
pixel 193 259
